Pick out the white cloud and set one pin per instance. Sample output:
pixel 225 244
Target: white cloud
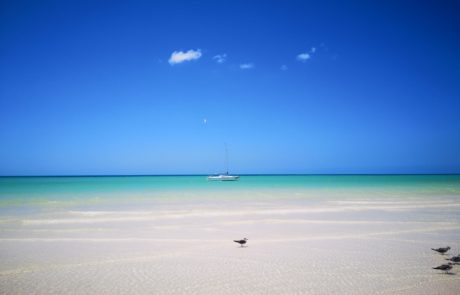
pixel 246 66
pixel 220 58
pixel 284 68
pixel 303 57
pixel 178 57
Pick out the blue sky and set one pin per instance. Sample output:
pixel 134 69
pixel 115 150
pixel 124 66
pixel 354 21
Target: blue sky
pixel 158 87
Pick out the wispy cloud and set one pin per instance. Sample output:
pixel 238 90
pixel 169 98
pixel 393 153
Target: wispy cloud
pixel 284 68
pixel 303 57
pixel 220 58
pixel 178 57
pixel 247 66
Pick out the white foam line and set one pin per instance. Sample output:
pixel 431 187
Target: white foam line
pixel 316 237
pixel 105 240
pixel 313 221
pixel 367 235
pixel 105 213
pixel 83 220
pixel 395 202
pixel 146 215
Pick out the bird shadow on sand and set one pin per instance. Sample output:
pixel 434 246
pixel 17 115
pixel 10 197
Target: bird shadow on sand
pixel 447 273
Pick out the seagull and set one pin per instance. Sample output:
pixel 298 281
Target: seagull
pixel 455 259
pixel 241 242
pixel 444 267
pixel 441 250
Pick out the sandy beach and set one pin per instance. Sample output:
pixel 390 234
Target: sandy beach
pixel 300 242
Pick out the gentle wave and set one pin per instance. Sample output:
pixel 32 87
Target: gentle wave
pixel 120 216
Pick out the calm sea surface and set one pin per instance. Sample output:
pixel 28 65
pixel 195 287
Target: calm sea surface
pixel 15 190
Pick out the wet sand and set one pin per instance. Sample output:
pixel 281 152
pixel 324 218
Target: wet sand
pixel 298 245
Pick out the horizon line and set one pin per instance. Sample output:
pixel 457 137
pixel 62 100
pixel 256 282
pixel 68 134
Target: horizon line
pixel 244 174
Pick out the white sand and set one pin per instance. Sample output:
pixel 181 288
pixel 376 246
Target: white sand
pixel 296 246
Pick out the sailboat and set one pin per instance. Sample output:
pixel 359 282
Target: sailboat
pixel 226 176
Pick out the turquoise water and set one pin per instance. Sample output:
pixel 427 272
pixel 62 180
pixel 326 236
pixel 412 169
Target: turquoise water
pixel 30 189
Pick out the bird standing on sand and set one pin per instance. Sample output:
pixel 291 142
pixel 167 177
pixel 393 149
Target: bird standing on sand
pixel 455 259
pixel 241 242
pixel 441 250
pixel 444 267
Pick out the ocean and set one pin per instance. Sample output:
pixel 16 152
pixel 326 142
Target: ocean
pixel 24 190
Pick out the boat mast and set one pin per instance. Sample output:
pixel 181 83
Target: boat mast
pixel 226 157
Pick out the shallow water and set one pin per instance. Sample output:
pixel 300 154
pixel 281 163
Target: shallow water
pixel 173 235
pixel 30 189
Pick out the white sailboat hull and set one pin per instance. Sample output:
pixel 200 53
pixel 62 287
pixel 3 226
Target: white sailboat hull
pixel 223 178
